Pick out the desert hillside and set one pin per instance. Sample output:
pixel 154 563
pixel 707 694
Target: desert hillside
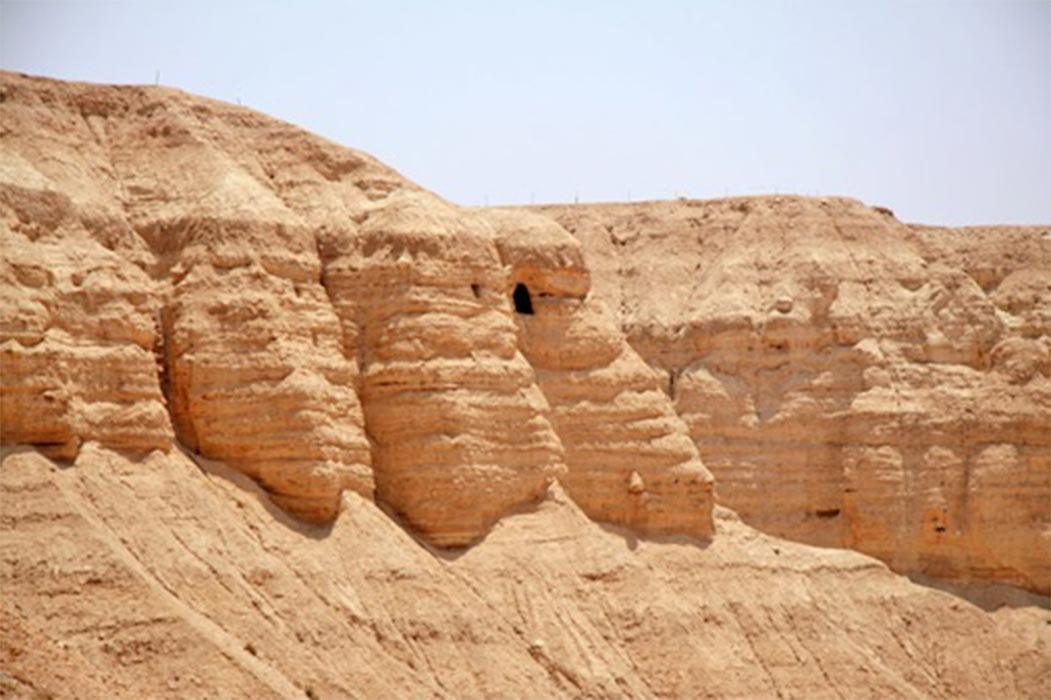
pixel 851 381
pixel 278 422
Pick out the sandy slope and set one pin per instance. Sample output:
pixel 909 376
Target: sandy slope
pixel 165 578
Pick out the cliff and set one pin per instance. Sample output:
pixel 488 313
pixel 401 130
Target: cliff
pixel 278 422
pixel 178 269
pixel 848 379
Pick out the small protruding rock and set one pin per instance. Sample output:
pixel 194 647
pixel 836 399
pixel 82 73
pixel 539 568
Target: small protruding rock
pixel 635 483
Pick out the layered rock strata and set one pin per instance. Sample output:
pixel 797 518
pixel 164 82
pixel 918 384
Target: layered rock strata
pixel 174 266
pixel 78 330
pixel 630 459
pixel 178 267
pixel 181 278
pixel 459 427
pixel 155 241
pixel 850 381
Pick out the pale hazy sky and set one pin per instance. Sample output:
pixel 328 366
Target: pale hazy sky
pixel 939 110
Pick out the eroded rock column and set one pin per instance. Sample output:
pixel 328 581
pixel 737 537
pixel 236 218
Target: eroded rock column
pixel 458 426
pixel 256 372
pixel 631 461
pixel 77 330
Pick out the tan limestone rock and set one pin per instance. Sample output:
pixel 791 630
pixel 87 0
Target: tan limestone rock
pixel 165 578
pixel 845 377
pixel 303 312
pixel 78 328
pixel 618 428
pixel 459 428
pixel 178 271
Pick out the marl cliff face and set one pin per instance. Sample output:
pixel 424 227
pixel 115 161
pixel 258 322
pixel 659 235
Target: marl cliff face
pixel 276 423
pixel 180 270
pixel 848 379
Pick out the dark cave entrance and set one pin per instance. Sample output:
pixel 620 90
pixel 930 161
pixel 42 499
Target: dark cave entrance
pixel 523 302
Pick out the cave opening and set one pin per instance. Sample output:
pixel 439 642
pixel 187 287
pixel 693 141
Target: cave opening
pixel 523 302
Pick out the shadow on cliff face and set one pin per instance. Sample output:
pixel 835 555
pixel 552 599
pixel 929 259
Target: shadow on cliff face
pixel 553 493
pixel 632 538
pixel 209 467
pixel 248 486
pixel 556 496
pixel 987 596
pixel 887 382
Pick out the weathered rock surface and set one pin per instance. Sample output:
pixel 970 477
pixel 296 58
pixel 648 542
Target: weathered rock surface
pixel 190 276
pixel 630 458
pixel 459 428
pixel 303 313
pixel 849 380
pixel 78 327
pixel 205 313
pixel 162 578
